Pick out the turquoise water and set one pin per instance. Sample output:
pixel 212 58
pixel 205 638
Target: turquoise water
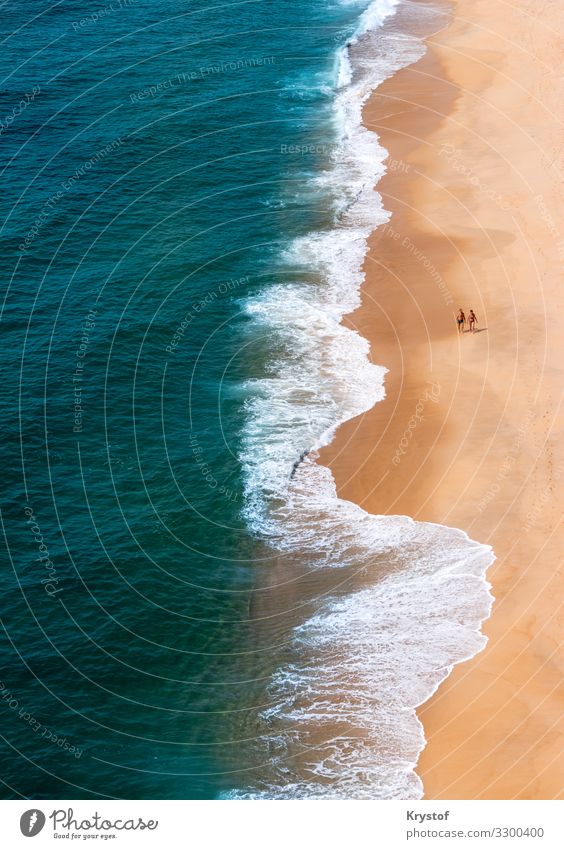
pixel 167 168
pixel 130 660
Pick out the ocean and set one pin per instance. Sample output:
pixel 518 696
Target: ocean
pixel 188 609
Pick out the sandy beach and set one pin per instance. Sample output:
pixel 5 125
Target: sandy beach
pixel 470 433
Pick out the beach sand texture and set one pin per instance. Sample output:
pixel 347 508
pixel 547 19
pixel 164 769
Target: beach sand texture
pixel 470 433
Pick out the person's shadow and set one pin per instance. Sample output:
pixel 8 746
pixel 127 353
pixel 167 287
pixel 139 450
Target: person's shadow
pixel 479 330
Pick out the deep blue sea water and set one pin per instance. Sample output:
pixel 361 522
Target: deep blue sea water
pixel 163 165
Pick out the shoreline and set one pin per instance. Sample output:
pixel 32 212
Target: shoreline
pixel 464 220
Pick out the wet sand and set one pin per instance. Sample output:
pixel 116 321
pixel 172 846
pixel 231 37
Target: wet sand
pixel 470 433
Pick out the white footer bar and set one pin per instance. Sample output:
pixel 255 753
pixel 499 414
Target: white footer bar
pixel 283 825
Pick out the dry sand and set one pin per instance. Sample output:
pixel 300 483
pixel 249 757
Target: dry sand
pixel 474 184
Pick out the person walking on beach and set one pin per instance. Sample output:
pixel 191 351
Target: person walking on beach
pixel 460 320
pixel 472 321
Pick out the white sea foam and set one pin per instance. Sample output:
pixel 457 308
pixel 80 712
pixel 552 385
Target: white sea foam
pixel 344 68
pixel 363 664
pixel 374 16
pixel 342 721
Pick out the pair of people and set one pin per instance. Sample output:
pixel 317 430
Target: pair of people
pixel 461 321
